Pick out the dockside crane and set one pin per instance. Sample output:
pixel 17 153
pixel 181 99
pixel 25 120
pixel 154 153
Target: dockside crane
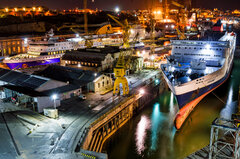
pixel 120 68
pixel 182 20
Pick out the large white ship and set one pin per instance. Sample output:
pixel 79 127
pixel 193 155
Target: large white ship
pixel 47 51
pixel 195 68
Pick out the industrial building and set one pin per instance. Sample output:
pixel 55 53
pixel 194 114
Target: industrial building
pixel 88 81
pixel 93 59
pixel 33 91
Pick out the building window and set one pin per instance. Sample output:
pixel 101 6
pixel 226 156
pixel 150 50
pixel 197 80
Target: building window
pixel 98 85
pixel 103 84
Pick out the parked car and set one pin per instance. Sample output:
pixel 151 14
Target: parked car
pixel 82 96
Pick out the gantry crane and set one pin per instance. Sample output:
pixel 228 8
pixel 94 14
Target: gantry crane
pixel 182 20
pixel 88 41
pixel 120 68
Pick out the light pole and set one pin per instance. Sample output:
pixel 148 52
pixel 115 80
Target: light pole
pixel 152 58
pixel 54 97
pixel 117 10
pixel 141 91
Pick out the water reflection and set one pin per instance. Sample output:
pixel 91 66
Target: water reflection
pixel 141 132
pixel 156 118
pixel 229 107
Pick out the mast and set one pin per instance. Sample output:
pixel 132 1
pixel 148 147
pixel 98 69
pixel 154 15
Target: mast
pixel 85 17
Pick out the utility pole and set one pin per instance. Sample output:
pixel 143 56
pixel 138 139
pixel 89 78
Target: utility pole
pixel 85 16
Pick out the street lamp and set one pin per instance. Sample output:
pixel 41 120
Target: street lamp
pixel 54 97
pixel 198 36
pixel 141 91
pixel 152 58
pixel 117 9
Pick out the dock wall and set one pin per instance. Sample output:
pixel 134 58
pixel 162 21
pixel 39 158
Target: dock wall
pixel 106 125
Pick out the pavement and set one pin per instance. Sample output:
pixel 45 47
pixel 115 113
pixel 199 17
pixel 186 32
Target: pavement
pixel 31 135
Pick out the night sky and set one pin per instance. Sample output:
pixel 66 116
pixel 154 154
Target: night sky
pixel 110 4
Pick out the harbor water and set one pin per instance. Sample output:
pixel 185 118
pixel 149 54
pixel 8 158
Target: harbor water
pixel 151 133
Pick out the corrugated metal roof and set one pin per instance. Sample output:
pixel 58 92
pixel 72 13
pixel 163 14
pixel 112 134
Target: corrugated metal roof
pixel 20 79
pixel 67 74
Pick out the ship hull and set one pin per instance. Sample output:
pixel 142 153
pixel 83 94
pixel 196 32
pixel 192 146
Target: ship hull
pixel 20 65
pixel 189 94
pixel 186 109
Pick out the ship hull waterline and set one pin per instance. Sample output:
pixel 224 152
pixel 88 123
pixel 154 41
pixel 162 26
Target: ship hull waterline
pixel 185 111
pixel 21 65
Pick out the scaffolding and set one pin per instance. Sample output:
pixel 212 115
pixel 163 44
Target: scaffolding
pixel 224 140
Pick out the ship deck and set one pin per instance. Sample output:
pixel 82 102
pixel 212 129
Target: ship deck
pixel 182 73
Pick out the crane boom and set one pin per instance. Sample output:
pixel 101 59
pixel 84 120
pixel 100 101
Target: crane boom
pixel 120 68
pixel 177 4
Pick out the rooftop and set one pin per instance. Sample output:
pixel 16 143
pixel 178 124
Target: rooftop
pixel 20 79
pixel 67 74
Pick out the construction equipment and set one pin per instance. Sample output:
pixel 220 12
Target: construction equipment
pixel 181 35
pixel 64 26
pixel 178 5
pixel 88 41
pixel 182 18
pixel 119 72
pixel 126 30
pixel 120 68
pixel 106 29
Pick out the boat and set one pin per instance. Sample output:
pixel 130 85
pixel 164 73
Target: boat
pixel 195 68
pixel 49 50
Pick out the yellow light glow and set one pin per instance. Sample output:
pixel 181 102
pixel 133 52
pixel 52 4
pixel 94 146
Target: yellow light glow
pixel 6 9
pixel 39 9
pixel 24 8
pixel 15 9
pixel 159 12
pixel 155 12
pixel 34 8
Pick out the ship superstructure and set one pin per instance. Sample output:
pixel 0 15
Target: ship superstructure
pixel 195 68
pixel 46 51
